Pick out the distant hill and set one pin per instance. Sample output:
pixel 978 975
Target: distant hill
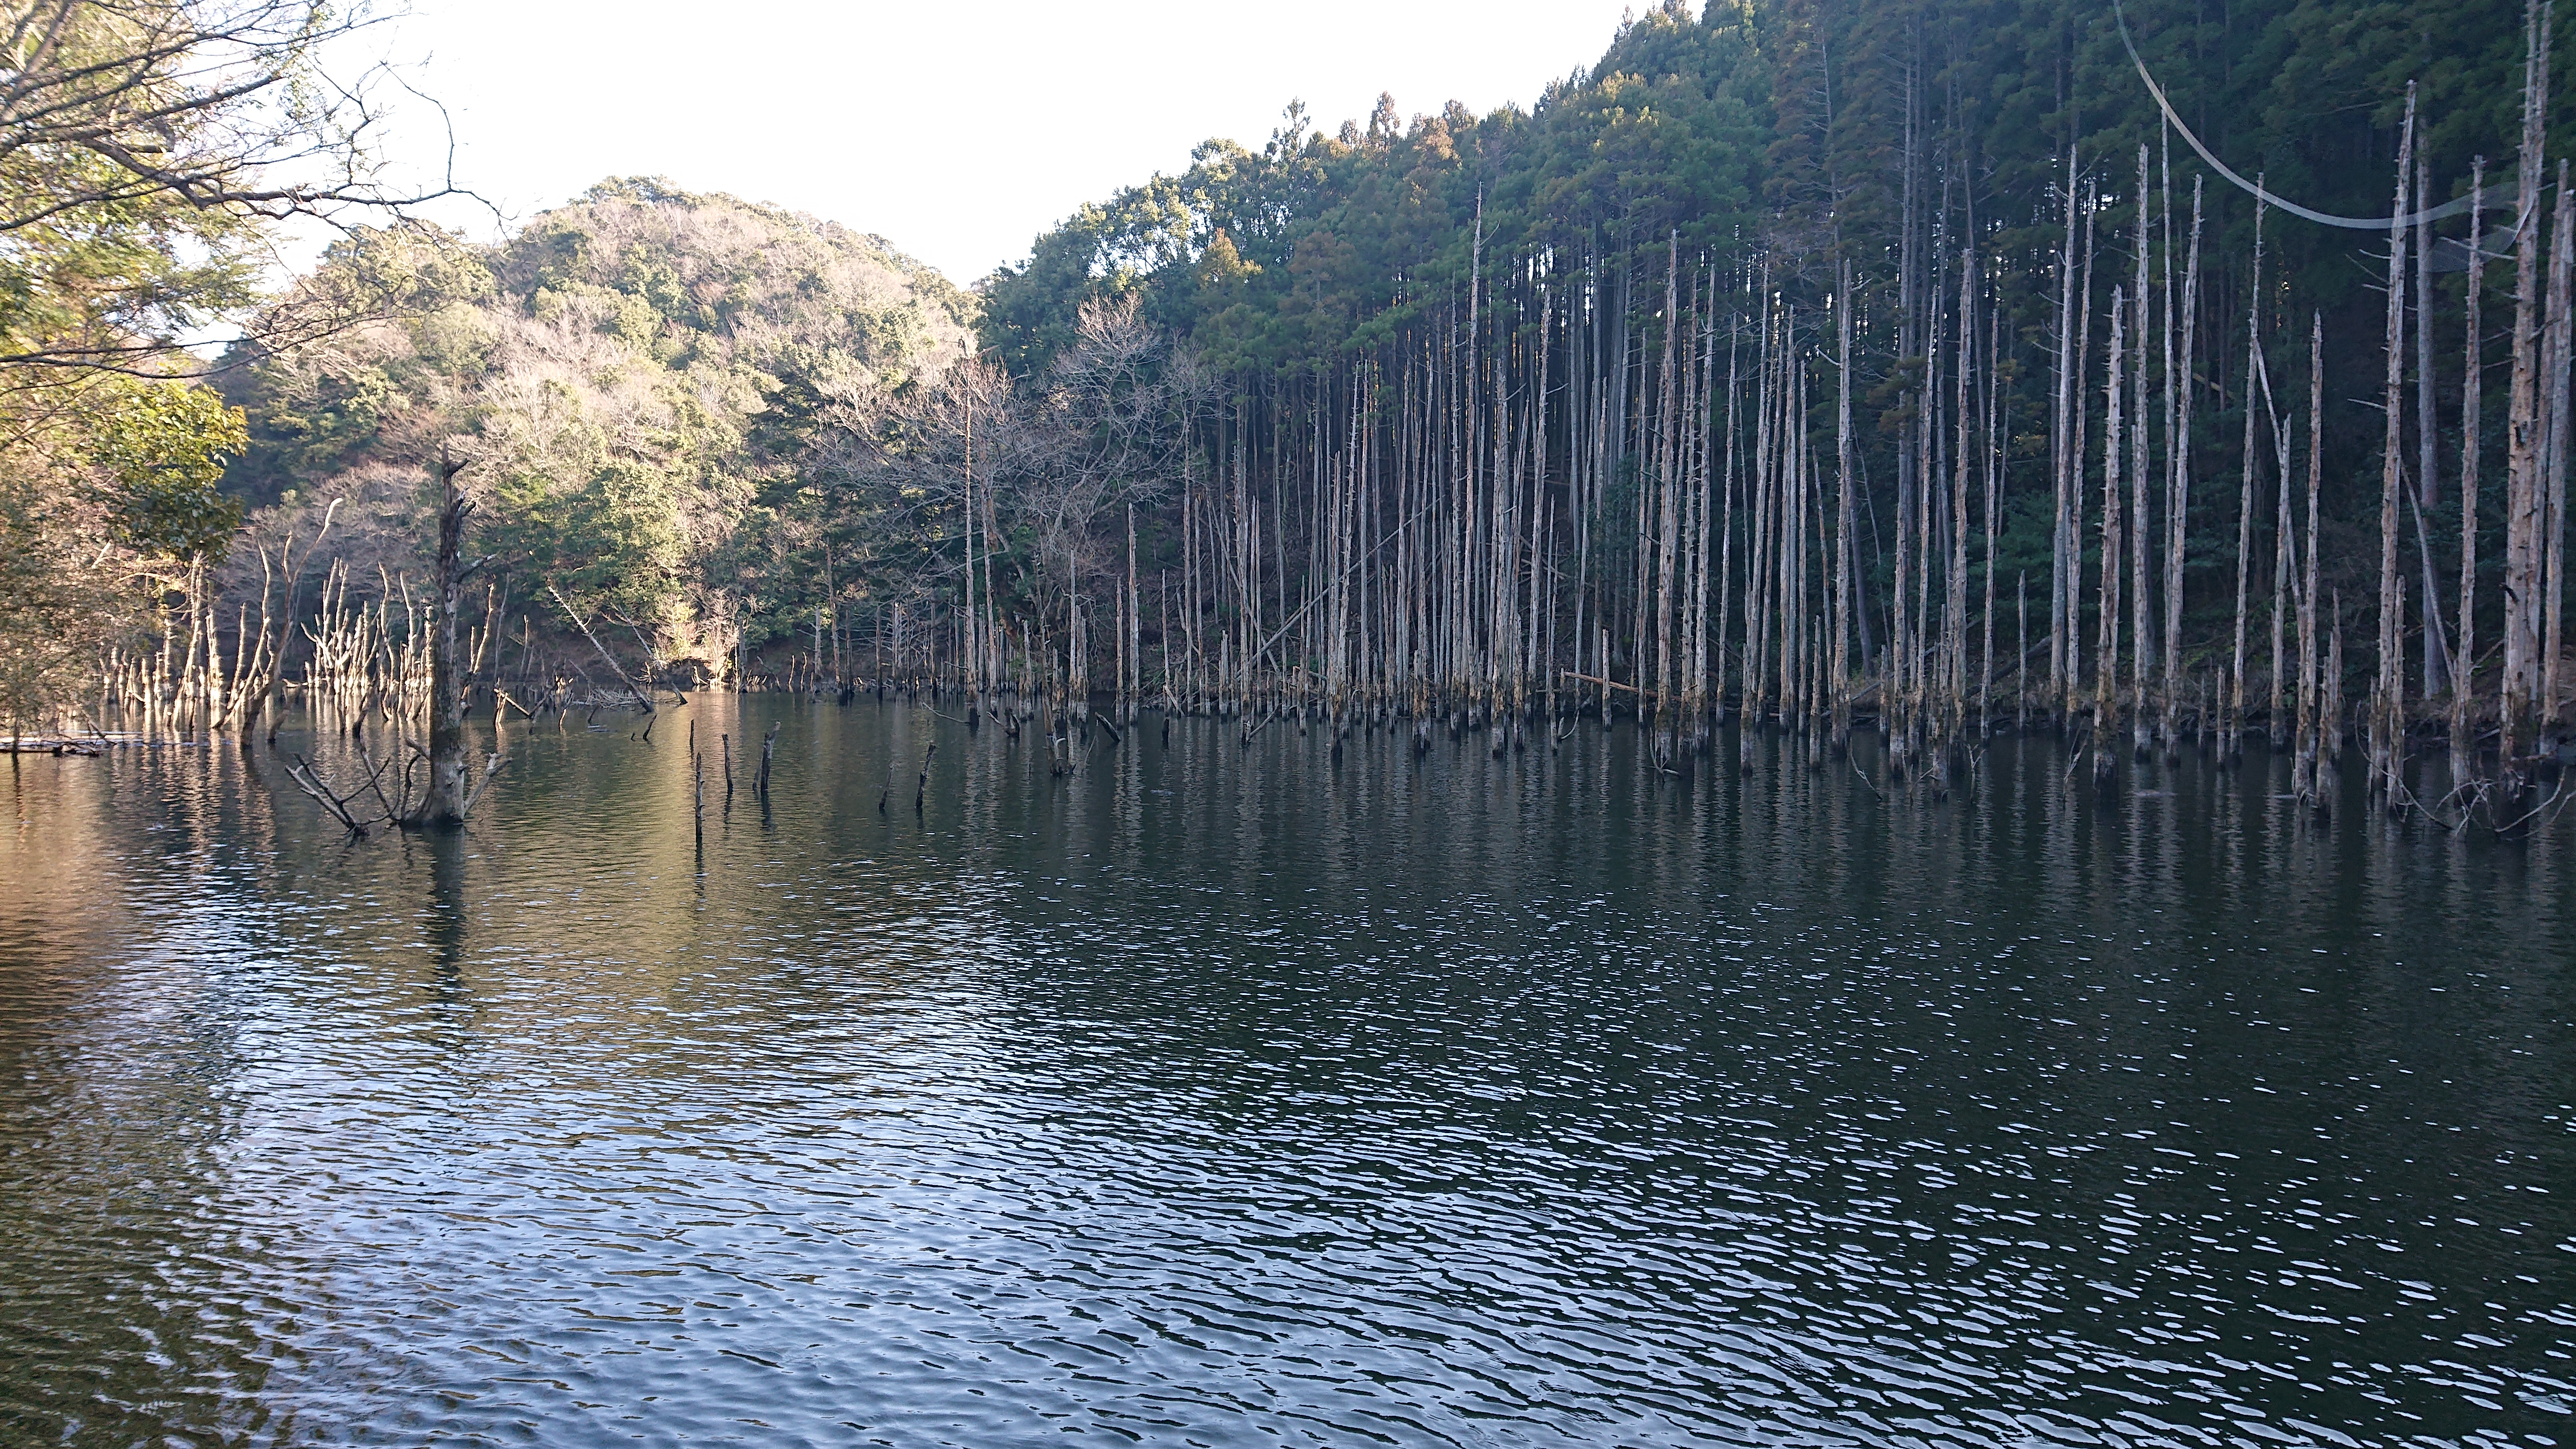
pixel 637 375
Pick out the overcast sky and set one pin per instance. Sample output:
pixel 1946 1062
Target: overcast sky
pixel 956 132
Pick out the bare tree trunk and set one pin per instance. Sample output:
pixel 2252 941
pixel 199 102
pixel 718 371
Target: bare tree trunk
pixel 2549 542
pixel 2142 643
pixel 2284 562
pixel 445 801
pixel 2186 315
pixel 1954 610
pixel 1667 461
pixel 2232 744
pixel 2330 735
pixel 2384 711
pixel 2106 655
pixel 1919 660
pixel 1912 455
pixel 2437 649
pixel 1707 451
pixel 1725 517
pixel 2075 469
pixel 2464 752
pixel 1131 655
pixel 1993 456
pixel 2303 773
pixel 2523 421
pixel 2063 465
pixel 1845 559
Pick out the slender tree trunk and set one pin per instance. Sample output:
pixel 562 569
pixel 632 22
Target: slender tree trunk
pixel 2232 742
pixel 1846 476
pixel 2437 650
pixel 1955 611
pixel 2021 653
pixel 2106 660
pixel 2550 540
pixel 2142 642
pixel 2075 467
pixel 2184 317
pixel 2524 424
pixel 2385 710
pixel 2304 771
pixel 2463 743
pixel 2062 464
pixel 1993 454
pixel 445 801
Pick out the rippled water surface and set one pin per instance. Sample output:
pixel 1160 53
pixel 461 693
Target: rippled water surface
pixel 1223 1095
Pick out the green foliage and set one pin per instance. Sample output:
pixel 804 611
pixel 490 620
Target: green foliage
pixel 1314 245
pixel 1776 131
pixel 105 485
pixel 147 149
pixel 1786 140
pixel 684 408
pixel 644 380
pixel 159 449
pixel 54 606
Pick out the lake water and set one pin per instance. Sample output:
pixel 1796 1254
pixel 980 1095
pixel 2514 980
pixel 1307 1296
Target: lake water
pixel 1219 1095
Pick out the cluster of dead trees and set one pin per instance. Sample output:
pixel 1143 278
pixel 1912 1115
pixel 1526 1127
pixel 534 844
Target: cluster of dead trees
pixel 1575 483
pixel 1612 480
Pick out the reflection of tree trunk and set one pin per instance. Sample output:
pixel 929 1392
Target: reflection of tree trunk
pixel 445 802
pixel 445 925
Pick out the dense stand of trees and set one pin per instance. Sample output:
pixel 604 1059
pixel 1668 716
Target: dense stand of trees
pixel 149 150
pixel 654 395
pixel 1802 357
pixel 1897 359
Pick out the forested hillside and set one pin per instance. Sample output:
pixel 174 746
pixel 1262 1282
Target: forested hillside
pixel 1811 359
pixel 1772 359
pixel 645 385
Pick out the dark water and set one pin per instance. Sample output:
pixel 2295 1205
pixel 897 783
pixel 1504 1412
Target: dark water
pixel 1217 1096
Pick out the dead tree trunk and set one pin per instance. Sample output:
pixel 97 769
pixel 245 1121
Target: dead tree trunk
pixel 2464 677
pixel 2437 650
pixel 2142 642
pixel 2385 725
pixel 2106 655
pixel 2186 319
pixel 2232 742
pixel 2524 423
pixel 2550 539
pixel 445 801
pixel 2303 773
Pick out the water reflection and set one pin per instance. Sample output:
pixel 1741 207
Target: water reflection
pixel 1218 1094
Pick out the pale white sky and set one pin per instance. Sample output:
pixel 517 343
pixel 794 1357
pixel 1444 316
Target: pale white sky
pixel 956 132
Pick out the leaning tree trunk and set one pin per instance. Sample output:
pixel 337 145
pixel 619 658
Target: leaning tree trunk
pixel 445 802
